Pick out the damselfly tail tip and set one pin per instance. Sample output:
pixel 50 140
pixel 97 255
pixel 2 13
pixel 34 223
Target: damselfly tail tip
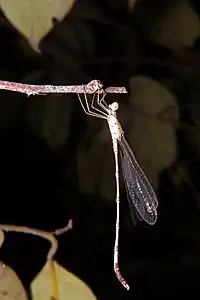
pixel 127 286
pixel 120 277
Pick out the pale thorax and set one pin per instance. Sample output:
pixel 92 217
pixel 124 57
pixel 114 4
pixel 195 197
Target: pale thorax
pixel 114 125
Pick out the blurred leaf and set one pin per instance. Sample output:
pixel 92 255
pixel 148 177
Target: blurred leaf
pixel 49 118
pixel 178 28
pixel 69 286
pixel 131 4
pixel 33 18
pixel 11 287
pixel 1 237
pixel 152 133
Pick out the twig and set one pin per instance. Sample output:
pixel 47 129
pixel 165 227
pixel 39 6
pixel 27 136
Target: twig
pixel 52 251
pixel 92 87
pixel 64 229
pixel 43 234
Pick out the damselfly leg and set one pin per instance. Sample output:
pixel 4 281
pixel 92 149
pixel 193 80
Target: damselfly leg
pixel 96 100
pixel 89 108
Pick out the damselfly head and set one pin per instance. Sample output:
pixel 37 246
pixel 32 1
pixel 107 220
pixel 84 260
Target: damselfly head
pixel 114 106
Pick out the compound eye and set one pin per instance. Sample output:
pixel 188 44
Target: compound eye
pixel 114 106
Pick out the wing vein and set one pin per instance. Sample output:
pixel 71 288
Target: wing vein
pixel 140 192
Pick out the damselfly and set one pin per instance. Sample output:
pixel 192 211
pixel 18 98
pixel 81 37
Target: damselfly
pixel 140 194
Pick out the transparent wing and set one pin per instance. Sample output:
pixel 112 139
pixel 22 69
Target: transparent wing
pixel 135 216
pixel 141 195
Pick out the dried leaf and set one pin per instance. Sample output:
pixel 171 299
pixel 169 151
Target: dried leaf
pixel 11 287
pixel 33 18
pixel 69 286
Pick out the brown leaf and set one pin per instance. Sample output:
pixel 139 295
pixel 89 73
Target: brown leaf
pixel 11 287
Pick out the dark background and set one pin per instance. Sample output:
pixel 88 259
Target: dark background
pixel 39 184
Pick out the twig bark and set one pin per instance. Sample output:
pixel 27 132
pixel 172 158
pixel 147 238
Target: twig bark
pixel 92 87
